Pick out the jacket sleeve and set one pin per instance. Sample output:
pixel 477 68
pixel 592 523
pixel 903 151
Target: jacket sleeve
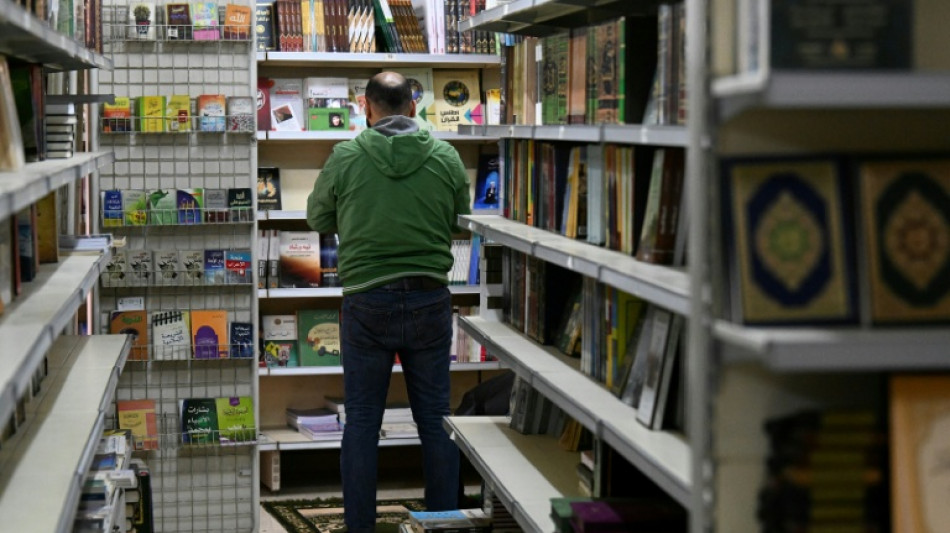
pixel 463 199
pixel 321 204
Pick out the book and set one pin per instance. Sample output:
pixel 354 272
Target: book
pixel 139 416
pixel 263 104
pixel 178 113
pixel 113 215
pixel 237 265
pixel 236 423
pixel 286 104
pixel 12 154
pixel 421 81
pixel 327 92
pixel 117 116
pixel 299 259
pixel 116 270
pixel 150 112
pixel 237 22
pixel 268 189
pixel 273 259
pixel 211 110
pixel 659 372
pixel 264 29
pixel 241 111
pixel 318 337
pixel 215 206
pixel 190 203
pixel 134 323
pixel 241 340
pixel 199 421
pixel 134 207
pixel 279 335
pixel 329 273
pixel 167 267
pixel 661 219
pixel 457 98
pixel 142 21
pixel 209 333
pixel 906 228
pixel 178 22
pixel 204 21
pixel 240 204
pixel 328 119
pixel 487 183
pixel 215 268
pixel 456 520
pixel 356 97
pixel 791 258
pixel 140 268
pixel 171 335
pixel 314 415
pixel 163 207
pixel 193 266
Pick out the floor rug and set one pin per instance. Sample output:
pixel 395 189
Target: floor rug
pixel 323 516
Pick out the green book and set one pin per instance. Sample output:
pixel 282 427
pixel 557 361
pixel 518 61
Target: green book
pixel 318 337
pixel 162 207
pixel 199 421
pixel 236 420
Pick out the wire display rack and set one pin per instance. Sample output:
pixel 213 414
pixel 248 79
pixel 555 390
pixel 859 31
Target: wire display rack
pixel 205 151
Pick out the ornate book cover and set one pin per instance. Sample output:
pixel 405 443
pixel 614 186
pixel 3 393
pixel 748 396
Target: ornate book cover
pixel 792 261
pixel 906 216
pixel 318 337
pixel 457 98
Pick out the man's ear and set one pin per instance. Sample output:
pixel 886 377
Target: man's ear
pixel 412 108
pixel 369 114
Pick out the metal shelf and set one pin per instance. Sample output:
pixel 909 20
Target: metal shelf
pixel 338 370
pixel 20 188
pixel 38 316
pixel 665 286
pixel 28 38
pixel 546 17
pixel 44 465
pixel 378 60
pixel 524 471
pixel 837 90
pixel 584 133
pixel 663 456
pixel 836 349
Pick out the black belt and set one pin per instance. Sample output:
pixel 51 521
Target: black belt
pixel 414 283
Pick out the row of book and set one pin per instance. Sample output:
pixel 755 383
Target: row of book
pixel 367 26
pixel 179 113
pixel 101 498
pixel 201 421
pixel 179 21
pixel 326 423
pixel 624 198
pixel 161 207
pixel 297 259
pixel 79 20
pixel 445 99
pixel 28 239
pixel 183 334
pixel 310 337
pixel 178 268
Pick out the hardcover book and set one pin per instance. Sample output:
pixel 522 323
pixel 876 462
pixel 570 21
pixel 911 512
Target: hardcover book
pixel 241 340
pixel 457 98
pixel 906 218
pixel 178 113
pixel 299 259
pixel 190 203
pixel 178 22
pixel 209 333
pixel 163 207
pixel 211 111
pixel 318 338
pixel 792 261
pixel 134 323
pixel 199 421
pixel 139 416
pixel 264 27
pixel 236 420
pixel 215 269
pixel 420 79
pixel 204 19
pixel 268 189
pixel 171 335
pixel 263 102
pixel 237 265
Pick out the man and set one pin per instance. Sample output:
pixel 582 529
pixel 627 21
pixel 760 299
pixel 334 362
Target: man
pixel 393 195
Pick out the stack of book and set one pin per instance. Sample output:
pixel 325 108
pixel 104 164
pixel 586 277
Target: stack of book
pixel 107 477
pixel 60 130
pixel 317 423
pixel 468 520
pixel 397 423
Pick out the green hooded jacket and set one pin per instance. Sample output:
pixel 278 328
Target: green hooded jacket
pixel 393 195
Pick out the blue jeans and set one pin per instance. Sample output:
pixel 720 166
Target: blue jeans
pixel 377 324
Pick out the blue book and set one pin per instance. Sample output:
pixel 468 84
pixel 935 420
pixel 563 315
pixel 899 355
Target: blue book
pixel 241 340
pixel 215 272
pixel 112 214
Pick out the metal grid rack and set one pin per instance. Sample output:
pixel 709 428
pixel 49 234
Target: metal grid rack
pixel 207 488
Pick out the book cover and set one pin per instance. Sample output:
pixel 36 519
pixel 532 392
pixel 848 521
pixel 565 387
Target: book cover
pixel 237 22
pixel 487 183
pixel 178 22
pixel 237 266
pixel 263 103
pixel 469 520
pixel 178 113
pixel 215 206
pixel 204 20
pixel 142 21
pixel 236 420
pixel 171 335
pixel 115 274
pixel 209 333
pixel 199 421
pixel 116 117
pixel 905 207
pixel 167 267
pixel 215 268
pixel 211 110
pixel 457 98
pixel 139 416
pixel 240 204
pixel 113 213
pixel 318 339
pixel 328 119
pixel 279 333
pixel 327 92
pixel 664 345
pixel 660 226
pixel 134 207
pixel 241 111
pixel 299 259
pixel 264 28
pixel 356 96
pixel 329 273
pixel 193 266
pixel 286 104
pixel 268 189
pixel 189 203
pixel 150 111
pixel 163 207
pixel 421 81
pixel 792 261
pixel 241 340
pixel 134 323
pixel 140 268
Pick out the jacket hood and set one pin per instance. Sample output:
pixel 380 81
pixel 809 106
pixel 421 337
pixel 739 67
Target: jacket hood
pixel 396 146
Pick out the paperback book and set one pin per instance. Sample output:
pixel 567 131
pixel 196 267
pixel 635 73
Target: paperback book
pixel 236 420
pixel 318 338
pixel 171 335
pixel 199 421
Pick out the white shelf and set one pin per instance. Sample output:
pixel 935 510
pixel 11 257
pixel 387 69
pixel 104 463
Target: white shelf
pixel 336 136
pixel 545 17
pixel 23 187
pixel 524 471
pixel 838 90
pixel 287 439
pixel 378 60
pixel 583 133
pixel 836 349
pixel 663 456
pixel 337 292
pixel 28 38
pixel 665 286
pixel 283 215
pixel 30 324
pixel 44 465
pixel 338 370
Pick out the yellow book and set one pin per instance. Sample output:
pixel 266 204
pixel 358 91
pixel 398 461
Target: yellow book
pixel 151 113
pixel 178 113
pixel 306 24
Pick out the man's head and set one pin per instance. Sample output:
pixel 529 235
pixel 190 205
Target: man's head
pixel 387 94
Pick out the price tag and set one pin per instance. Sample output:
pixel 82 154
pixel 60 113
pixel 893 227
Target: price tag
pixel 172 33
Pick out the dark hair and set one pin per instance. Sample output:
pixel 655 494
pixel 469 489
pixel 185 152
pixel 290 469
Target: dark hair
pixel 390 92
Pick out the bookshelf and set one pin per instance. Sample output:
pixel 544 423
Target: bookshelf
pixel 636 134
pixel 377 60
pixel 27 37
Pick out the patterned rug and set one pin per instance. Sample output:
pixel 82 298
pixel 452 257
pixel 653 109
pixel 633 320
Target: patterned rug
pixel 324 516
